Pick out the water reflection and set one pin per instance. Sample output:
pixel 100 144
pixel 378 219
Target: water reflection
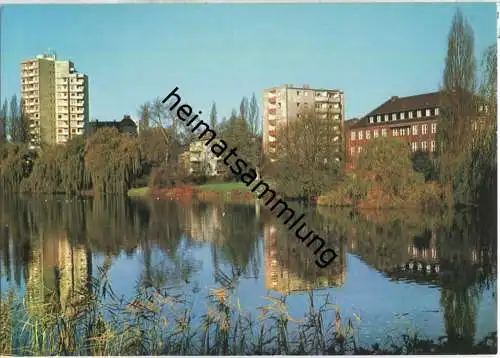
pixel 56 266
pixel 54 244
pixel 290 268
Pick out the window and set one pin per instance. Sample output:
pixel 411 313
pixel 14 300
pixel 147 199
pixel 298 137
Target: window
pixel 402 115
pixel 360 135
pixel 367 134
pixel 375 133
pixel 384 132
pixel 414 146
pixel 410 115
pixel 433 128
pixel 298 104
pixel 394 117
pixel 419 113
pixel 394 132
pixel 424 145
pixel 317 105
pixel 436 111
pixel 359 149
pixel 414 130
pixel 379 118
pixel 480 108
pixel 353 150
pixel 427 112
pixel 424 128
pixel 386 117
pixel 371 120
pixel 433 146
pixel 298 93
pixel 353 135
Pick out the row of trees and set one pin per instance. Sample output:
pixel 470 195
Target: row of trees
pixel 112 162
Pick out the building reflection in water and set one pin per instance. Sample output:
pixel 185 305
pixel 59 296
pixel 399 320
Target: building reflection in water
pixel 423 259
pixel 204 225
pixel 57 268
pixel 290 267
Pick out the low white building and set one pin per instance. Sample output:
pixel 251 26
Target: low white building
pixel 202 160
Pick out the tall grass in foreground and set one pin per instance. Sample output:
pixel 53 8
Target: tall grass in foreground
pixel 159 321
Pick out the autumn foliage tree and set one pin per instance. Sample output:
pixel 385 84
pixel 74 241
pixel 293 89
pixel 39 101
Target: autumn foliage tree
pixel 308 162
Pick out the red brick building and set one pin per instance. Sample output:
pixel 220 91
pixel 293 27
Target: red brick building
pixel 413 119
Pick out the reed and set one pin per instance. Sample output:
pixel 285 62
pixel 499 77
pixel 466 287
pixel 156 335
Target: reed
pixel 158 321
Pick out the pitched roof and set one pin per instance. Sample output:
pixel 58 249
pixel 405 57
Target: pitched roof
pixel 98 124
pixel 127 121
pixel 401 104
pixel 351 122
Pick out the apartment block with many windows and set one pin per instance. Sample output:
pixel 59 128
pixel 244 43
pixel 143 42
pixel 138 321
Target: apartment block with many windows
pixel 283 104
pixel 55 99
pixel 413 119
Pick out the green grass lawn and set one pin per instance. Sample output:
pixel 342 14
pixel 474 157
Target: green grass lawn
pixel 223 187
pixel 217 187
pixel 138 192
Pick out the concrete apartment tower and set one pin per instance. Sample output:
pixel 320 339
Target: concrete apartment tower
pixel 284 103
pixel 55 99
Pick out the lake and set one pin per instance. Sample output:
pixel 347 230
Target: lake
pixel 396 272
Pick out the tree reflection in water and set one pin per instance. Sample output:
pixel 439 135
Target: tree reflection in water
pixel 455 251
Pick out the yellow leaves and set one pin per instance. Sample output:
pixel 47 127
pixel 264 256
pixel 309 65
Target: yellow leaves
pixel 219 293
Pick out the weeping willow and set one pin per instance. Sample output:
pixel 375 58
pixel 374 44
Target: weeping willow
pixel 112 160
pixel 46 174
pixel 74 178
pixel 12 166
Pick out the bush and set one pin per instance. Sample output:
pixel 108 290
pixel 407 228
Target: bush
pixel 161 178
pixel 385 178
pixel 428 196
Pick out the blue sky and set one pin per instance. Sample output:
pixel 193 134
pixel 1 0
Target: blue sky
pixel 221 52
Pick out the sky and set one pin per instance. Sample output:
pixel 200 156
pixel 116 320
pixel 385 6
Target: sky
pixel 134 53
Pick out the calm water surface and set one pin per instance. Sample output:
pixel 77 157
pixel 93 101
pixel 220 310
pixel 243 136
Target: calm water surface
pixel 398 272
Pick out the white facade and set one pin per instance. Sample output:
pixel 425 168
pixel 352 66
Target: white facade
pixel 202 159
